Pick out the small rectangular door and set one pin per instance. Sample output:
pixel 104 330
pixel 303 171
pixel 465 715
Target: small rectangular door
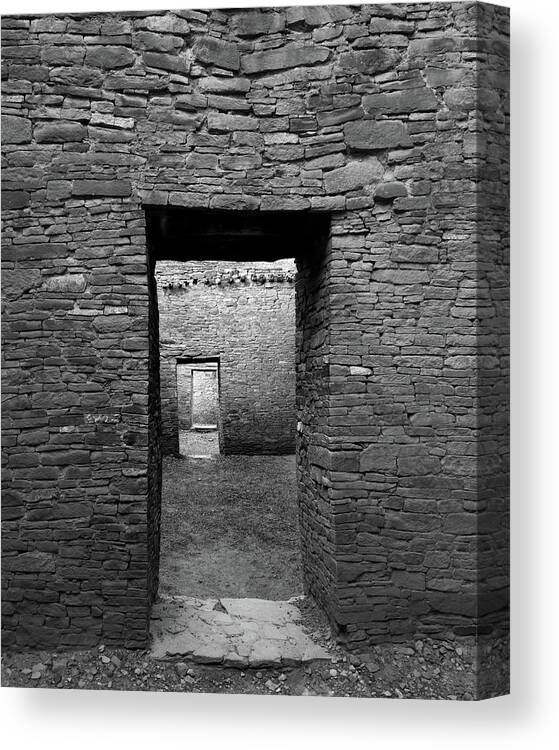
pixel 205 398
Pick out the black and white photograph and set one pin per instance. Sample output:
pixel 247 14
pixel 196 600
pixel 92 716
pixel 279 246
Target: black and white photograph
pixel 255 350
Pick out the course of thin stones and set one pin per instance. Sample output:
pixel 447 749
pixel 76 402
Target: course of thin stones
pixel 233 632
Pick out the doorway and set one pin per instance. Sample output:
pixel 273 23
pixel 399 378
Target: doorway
pixel 242 239
pixel 197 387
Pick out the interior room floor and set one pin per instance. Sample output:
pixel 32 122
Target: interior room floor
pixel 229 528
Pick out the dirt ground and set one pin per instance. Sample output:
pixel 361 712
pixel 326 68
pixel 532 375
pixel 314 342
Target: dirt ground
pixel 229 527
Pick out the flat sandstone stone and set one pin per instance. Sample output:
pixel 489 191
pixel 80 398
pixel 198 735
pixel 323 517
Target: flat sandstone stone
pixel 290 56
pixel 217 52
pixel 354 175
pixel 371 135
pixel 109 57
pixel 15 129
pixel 399 102
pixel 237 632
pixel 60 132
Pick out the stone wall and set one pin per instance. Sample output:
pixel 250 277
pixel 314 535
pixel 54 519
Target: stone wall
pixel 394 119
pixel 242 316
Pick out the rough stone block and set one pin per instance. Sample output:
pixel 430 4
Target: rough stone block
pixel 408 580
pixel 218 122
pixel 213 51
pixel 378 459
pixel 401 276
pixel 354 175
pixel 102 187
pixel 61 131
pixel 373 135
pixel 168 23
pixel 158 42
pixel 401 102
pixel 368 62
pixel 256 23
pixel 15 129
pixel 13 199
pixel 172 63
pixel 29 562
pixel 389 190
pixel 217 85
pixel 292 55
pixel 412 253
pixel 72 283
pixel 109 57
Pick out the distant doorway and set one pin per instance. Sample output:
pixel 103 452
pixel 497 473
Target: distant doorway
pixel 205 398
pixel 198 407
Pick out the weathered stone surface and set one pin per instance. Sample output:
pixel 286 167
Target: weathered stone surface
pixel 109 57
pixel 15 129
pixel 336 117
pixel 63 55
pixel 58 189
pixel 167 23
pixel 372 135
pixel 240 161
pixel 72 283
pixel 201 161
pixel 390 190
pixel 217 85
pixel 240 632
pixel 291 55
pixel 369 62
pixel 255 23
pixel 12 199
pixel 61 131
pixel 460 98
pixel 316 15
pixel 415 465
pixel 228 103
pixel 400 102
pixel 29 562
pixel 101 187
pixel 217 52
pixel 414 253
pixel 225 123
pixel 163 61
pixel 379 459
pixel 158 42
pixel 78 76
pixel 354 175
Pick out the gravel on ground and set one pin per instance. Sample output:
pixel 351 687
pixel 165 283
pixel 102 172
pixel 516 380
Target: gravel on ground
pixel 421 669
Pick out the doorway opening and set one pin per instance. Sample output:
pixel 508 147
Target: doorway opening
pixel 198 407
pixel 234 526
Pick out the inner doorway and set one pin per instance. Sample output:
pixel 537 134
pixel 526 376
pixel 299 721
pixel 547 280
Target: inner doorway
pixel 197 385
pixel 204 398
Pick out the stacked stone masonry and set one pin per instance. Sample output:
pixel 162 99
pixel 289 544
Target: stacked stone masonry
pixel 391 118
pixel 242 316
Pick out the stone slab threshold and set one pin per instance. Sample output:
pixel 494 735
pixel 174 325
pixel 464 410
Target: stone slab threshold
pixel 242 633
